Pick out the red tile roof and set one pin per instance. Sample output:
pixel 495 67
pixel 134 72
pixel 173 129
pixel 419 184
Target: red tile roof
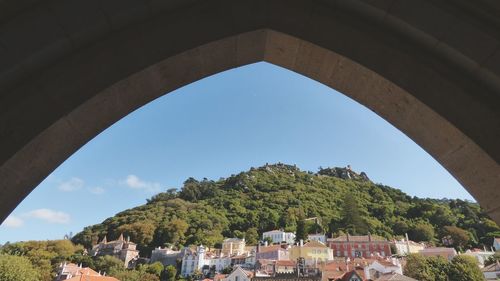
pixel 285 263
pixel 315 244
pixel 92 278
pixel 218 277
pixel 270 248
pixel 354 238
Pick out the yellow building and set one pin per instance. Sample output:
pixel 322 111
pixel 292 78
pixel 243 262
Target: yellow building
pixel 233 246
pixel 313 252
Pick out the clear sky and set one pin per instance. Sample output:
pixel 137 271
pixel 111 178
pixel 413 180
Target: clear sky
pixel 216 127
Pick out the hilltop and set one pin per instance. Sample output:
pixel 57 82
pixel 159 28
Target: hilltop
pixel 279 196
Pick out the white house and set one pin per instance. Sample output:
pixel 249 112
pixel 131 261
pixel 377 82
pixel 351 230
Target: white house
pixel 193 260
pixel 220 262
pixel 380 267
pixel 317 237
pixel 406 246
pixel 239 274
pixel 278 236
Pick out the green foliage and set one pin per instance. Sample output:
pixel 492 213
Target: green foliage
pixel 278 196
pixel 44 255
pixel 169 273
pixel 464 268
pixel 17 268
pixel 108 264
pixel 422 232
pixel 352 220
pixel 493 259
pixel 460 237
pixel 154 268
pixel 252 236
pixel 301 231
pixel 461 268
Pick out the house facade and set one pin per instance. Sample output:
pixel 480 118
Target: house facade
pixel 166 256
pixel 317 237
pixel 273 252
pixel 366 246
pixel 278 236
pixel 193 260
pixel 405 247
pixel 233 246
pixel 313 252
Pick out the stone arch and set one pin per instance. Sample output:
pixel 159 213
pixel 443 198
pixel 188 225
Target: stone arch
pixel 71 81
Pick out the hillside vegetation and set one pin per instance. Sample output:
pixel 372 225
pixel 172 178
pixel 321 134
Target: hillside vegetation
pixel 282 196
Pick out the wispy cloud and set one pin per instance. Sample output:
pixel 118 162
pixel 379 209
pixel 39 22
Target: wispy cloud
pixel 13 222
pixel 71 184
pixel 97 190
pixel 48 215
pixel 135 182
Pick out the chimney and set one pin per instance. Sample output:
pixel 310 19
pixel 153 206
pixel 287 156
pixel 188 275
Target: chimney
pixel 407 243
pixel 301 242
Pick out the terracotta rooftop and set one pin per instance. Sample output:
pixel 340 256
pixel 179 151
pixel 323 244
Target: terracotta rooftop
pixel 92 278
pixel 218 277
pixel 394 277
pixel 347 276
pixel 270 248
pixel 315 244
pixel 357 238
pixel 438 250
pixel 285 263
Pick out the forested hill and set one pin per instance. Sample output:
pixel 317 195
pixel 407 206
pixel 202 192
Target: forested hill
pixel 282 196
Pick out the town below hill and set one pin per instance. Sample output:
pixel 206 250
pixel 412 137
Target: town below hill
pixel 274 222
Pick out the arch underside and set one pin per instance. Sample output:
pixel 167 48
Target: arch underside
pixel 443 96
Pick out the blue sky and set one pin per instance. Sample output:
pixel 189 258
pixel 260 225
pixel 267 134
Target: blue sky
pixel 216 127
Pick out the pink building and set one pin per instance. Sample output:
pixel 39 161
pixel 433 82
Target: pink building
pixel 359 246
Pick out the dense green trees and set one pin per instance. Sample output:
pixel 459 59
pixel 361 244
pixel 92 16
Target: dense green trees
pixel 352 220
pixel 459 237
pixel 17 268
pixel 464 268
pixel 43 255
pixel 461 268
pixel 277 196
pixel 422 232
pixel 169 273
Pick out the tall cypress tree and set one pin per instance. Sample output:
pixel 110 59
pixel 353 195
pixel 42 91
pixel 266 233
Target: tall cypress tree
pixel 301 233
pixel 352 220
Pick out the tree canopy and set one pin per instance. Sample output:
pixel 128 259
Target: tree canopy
pixel 279 196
